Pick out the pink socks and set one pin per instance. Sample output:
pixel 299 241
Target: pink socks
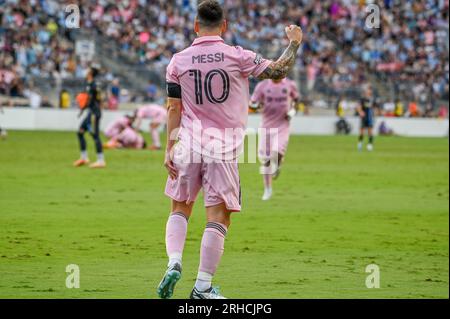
pixel 176 230
pixel 210 254
pixel 155 137
pixel 267 181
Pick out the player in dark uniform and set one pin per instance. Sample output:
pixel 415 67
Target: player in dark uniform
pixel 366 111
pixel 91 123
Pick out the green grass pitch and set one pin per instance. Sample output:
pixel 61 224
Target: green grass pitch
pixel 334 212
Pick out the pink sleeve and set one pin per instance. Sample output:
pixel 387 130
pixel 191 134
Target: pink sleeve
pixel 171 73
pixel 141 112
pixel 257 95
pixel 294 91
pixel 251 63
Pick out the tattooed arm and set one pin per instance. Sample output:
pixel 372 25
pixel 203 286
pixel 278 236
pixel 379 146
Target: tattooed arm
pixel 279 69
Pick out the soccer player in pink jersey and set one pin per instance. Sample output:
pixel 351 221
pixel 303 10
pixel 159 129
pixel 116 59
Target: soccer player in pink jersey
pixel 278 99
pixel 208 96
pixel 158 116
pixel 117 126
pixel 128 138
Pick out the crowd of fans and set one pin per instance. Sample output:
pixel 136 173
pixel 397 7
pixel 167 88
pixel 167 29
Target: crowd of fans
pixel 410 48
pixel 34 42
pixel 341 51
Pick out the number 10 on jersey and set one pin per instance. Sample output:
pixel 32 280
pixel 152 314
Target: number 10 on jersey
pixel 206 87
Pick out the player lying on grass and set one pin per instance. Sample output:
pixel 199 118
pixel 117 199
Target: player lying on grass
pixel 91 123
pixel 207 86
pixel 158 116
pixel 118 125
pixel 278 99
pixel 366 111
pixel 127 138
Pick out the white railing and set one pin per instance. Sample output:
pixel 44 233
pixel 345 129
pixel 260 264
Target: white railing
pixel 67 120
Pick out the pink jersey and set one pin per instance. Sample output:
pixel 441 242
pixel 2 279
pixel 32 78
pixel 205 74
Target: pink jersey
pixel 276 99
pixel 117 126
pixel 215 93
pixel 154 112
pixel 129 138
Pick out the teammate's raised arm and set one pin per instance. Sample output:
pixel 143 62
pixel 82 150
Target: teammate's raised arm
pixel 280 69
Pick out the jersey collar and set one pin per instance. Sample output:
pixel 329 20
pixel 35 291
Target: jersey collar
pixel 213 38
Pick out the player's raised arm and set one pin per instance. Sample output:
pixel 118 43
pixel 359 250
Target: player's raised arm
pixel 280 69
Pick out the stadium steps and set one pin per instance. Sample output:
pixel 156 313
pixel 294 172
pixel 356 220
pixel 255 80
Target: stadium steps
pixel 133 76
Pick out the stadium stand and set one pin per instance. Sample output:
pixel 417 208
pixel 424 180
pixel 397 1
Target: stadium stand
pixel 136 38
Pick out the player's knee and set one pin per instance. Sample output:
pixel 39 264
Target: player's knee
pixel 224 220
pixel 180 207
pixel 219 214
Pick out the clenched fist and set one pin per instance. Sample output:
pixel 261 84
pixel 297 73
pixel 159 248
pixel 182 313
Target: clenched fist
pixel 294 33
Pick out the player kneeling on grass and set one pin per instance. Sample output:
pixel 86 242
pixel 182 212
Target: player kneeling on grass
pixel 90 100
pixel 366 111
pixel 207 85
pixel 117 126
pixel 278 99
pixel 128 138
pixel 158 116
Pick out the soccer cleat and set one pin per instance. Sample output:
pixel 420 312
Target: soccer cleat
pixel 267 194
pixel 277 173
pixel 211 293
pixel 81 162
pixel 98 164
pixel 360 146
pixel 154 148
pixel 370 147
pixel 170 279
pixel 109 146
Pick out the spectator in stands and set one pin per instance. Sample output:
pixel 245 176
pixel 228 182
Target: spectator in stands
pixel 340 52
pixel 64 99
pixel 35 99
pixel 413 110
pixel 342 125
pixel 152 91
pixel 114 95
pixel 443 112
pixel 399 110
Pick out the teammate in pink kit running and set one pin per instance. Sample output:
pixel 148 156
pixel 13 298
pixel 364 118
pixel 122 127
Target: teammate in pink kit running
pixel 158 116
pixel 278 99
pixel 208 97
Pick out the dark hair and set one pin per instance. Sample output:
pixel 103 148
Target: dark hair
pixel 210 14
